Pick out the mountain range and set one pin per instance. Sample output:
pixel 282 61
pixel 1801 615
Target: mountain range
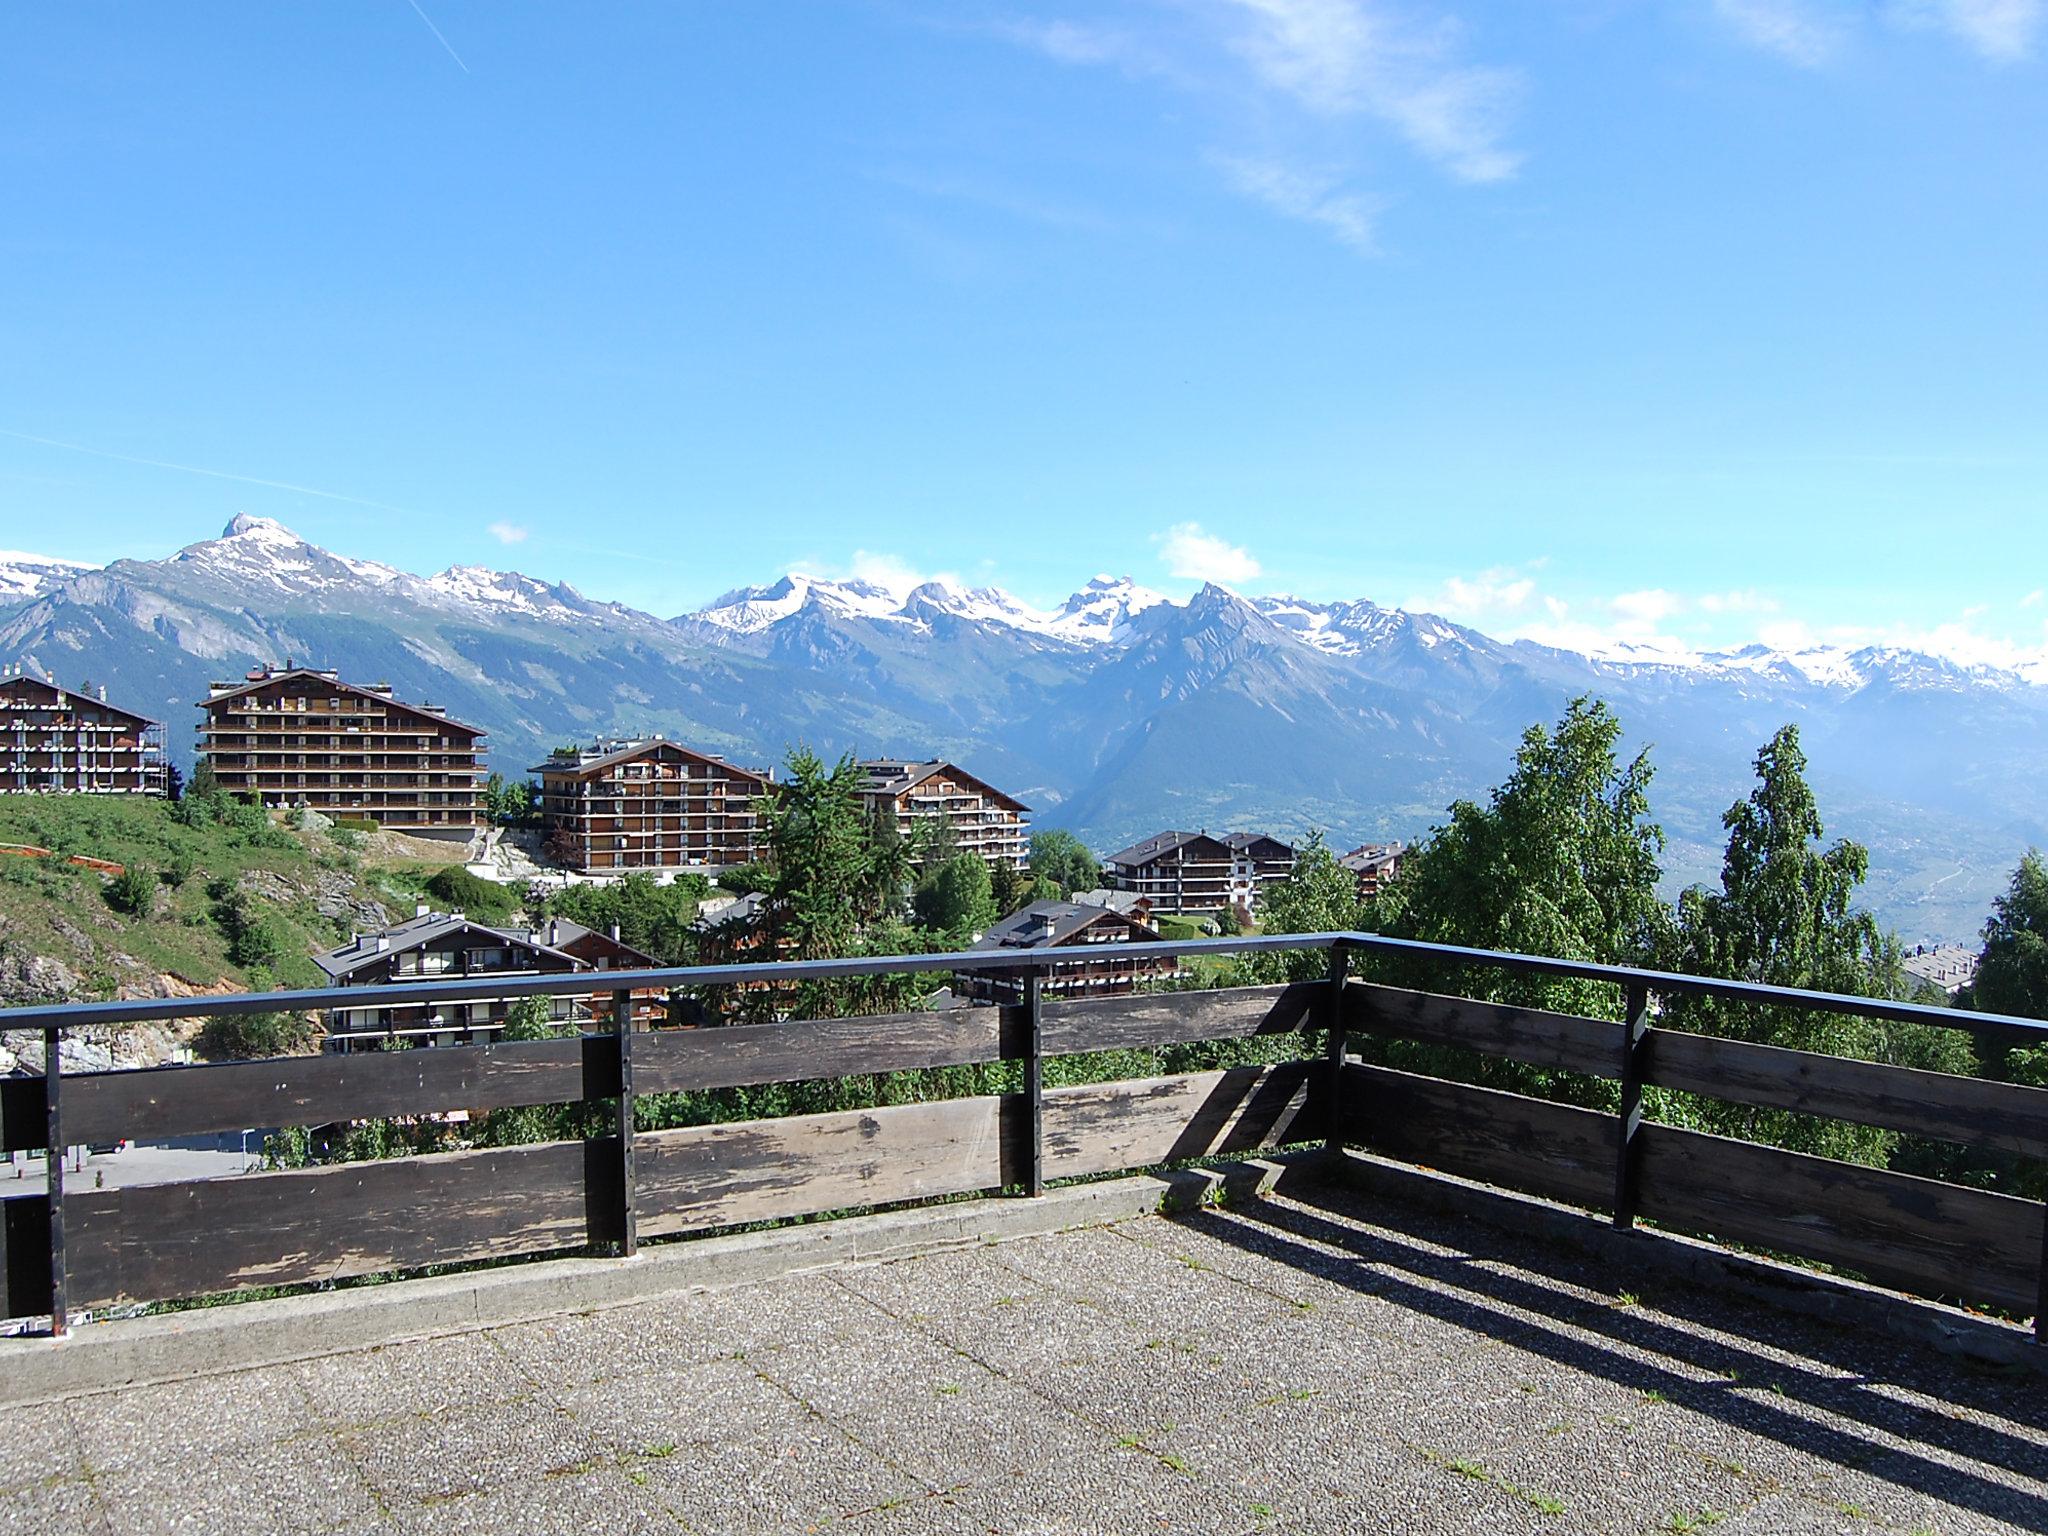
pixel 1119 713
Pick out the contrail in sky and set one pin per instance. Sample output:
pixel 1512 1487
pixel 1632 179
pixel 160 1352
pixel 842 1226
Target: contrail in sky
pixel 213 474
pixel 423 16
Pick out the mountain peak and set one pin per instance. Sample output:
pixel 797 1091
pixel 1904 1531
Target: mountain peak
pixel 269 529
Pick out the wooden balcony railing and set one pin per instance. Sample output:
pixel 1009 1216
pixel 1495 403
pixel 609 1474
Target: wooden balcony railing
pixel 65 1250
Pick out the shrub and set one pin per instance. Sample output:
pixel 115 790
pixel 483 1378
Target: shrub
pixel 459 890
pixel 245 1036
pixel 133 891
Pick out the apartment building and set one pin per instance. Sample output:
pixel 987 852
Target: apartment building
pixel 650 804
pixel 1191 872
pixel 1092 935
pixel 1375 865
pixel 292 735
pixel 71 741
pixel 982 818
pixel 448 946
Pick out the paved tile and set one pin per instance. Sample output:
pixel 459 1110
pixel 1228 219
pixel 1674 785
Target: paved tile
pixel 1342 1366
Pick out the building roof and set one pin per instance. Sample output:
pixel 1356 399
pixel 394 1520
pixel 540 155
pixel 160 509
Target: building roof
pixel 601 755
pixel 1245 842
pixel 1047 923
pixel 420 931
pixel 1117 901
pixel 1160 844
pixel 895 776
pixel 222 693
pixel 29 680
pixel 1368 857
pixel 741 909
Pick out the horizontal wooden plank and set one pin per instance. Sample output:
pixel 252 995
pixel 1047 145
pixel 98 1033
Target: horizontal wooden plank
pixel 764 1170
pixel 1968 1110
pixel 1172 1018
pixel 742 1054
pixel 1915 1234
pixel 160 1102
pixel 158 1242
pixel 1103 1127
pixel 1556 1150
pixel 1528 1035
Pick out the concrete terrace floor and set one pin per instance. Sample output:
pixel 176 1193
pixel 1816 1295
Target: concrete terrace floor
pixel 1337 1366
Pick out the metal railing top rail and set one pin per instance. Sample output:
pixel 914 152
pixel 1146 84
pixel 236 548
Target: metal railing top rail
pixel 2005 1028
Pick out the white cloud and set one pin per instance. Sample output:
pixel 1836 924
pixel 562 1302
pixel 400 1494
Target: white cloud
pixel 1796 31
pixel 1302 195
pixel 1650 607
pixel 2000 30
pixel 1190 553
pixel 2033 598
pixel 1346 58
pixel 1496 595
pixel 507 533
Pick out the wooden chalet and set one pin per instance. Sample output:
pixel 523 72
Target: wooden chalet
pixel 650 804
pixel 1196 872
pixel 983 819
pixel 448 946
pixel 1092 933
pixel 71 741
pixel 1375 865
pixel 289 735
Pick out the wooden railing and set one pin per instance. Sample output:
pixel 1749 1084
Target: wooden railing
pixel 66 1250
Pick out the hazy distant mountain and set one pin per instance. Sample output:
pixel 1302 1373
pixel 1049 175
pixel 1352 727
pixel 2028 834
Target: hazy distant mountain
pixel 1117 713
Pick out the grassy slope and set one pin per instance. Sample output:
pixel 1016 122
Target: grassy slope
pixel 56 910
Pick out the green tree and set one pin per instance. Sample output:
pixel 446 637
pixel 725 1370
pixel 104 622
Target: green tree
pixel 247 1036
pixel 1320 896
pixel 1785 915
pixel 1561 861
pixel 1064 859
pixel 656 919
pixel 457 890
pixel 2012 971
pixel 205 783
pixel 956 898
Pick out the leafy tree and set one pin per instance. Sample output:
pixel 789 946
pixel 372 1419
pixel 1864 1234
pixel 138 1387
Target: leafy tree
pixel 205 782
pixel 823 887
pixel 1786 916
pixel 956 898
pixel 508 803
pixel 1064 859
pixel 133 891
pixel 532 1018
pixel 1562 861
pixel 1010 888
pixel 2012 971
pixel 656 919
pixel 1320 896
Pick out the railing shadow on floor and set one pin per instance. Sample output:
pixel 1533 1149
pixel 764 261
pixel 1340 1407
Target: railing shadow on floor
pixel 1463 1290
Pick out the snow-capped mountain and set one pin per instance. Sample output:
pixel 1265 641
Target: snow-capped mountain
pixel 24 576
pixel 1117 712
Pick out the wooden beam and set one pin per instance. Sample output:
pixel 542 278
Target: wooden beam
pixel 1173 1018
pixel 741 1055
pixel 1529 1035
pixel 1917 1234
pixel 1141 1124
pixel 1971 1111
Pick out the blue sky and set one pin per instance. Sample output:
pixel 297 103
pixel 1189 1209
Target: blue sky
pixel 1700 318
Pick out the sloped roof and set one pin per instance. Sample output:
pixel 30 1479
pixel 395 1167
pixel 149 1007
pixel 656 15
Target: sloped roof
pixel 585 764
pixel 53 689
pixel 1162 843
pixel 896 776
pixel 421 931
pixel 1048 923
pixel 332 682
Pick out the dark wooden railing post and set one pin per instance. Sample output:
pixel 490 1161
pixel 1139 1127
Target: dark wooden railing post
pixel 1635 1034
pixel 629 1215
pixel 2041 1285
pixel 1034 1082
pixel 53 1164
pixel 1333 1017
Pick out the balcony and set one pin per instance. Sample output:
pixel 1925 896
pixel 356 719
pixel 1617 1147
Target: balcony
pixel 1433 1306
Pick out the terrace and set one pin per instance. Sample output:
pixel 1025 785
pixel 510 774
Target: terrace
pixel 1447 1308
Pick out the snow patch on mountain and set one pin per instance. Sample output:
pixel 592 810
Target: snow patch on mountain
pixel 23 576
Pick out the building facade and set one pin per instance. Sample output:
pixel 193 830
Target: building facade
pixel 447 946
pixel 653 805
pixel 982 819
pixel 1087 938
pixel 71 741
pixel 1191 872
pixel 1375 865
pixel 295 736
